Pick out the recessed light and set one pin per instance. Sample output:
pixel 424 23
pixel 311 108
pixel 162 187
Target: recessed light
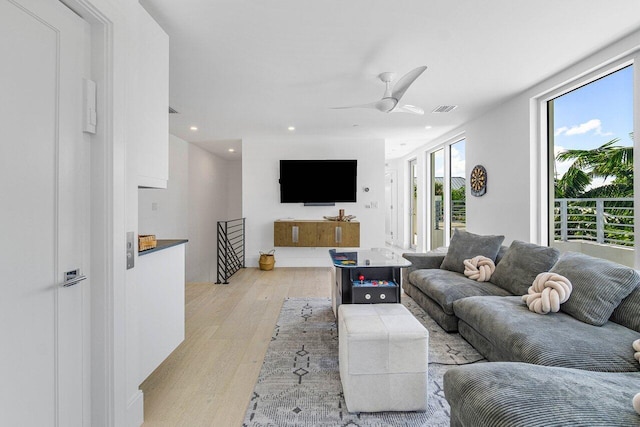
pixel 291 128
pixel 194 128
pixel 231 150
pixel 427 127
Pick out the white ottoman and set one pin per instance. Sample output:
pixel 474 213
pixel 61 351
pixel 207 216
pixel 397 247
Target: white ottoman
pixel 383 358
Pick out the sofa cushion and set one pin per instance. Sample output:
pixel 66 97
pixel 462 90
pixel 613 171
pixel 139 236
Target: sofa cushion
pixel 599 286
pixel 465 245
pixel 516 334
pixel 518 394
pixel 521 264
pixel 445 287
pixel 628 312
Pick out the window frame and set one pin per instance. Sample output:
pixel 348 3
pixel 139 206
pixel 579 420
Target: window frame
pixel 446 187
pixel 543 186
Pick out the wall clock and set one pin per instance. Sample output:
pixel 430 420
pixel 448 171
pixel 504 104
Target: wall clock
pixel 478 180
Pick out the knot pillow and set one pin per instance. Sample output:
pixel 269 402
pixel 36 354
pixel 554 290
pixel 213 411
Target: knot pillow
pixel 547 292
pixel 636 403
pixel 479 268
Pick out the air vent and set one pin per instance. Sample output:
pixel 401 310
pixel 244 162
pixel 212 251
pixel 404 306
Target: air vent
pixel 172 111
pixel 444 108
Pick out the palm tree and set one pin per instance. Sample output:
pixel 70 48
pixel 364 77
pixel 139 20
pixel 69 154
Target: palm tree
pixel 606 161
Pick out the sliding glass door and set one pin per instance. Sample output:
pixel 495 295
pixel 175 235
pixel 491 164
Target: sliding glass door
pixel 437 198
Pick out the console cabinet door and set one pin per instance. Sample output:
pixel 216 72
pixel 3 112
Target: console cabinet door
pixel 339 234
pixel 293 233
pixel 350 235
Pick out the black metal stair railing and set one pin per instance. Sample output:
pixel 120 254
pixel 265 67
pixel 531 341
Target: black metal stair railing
pixel 231 256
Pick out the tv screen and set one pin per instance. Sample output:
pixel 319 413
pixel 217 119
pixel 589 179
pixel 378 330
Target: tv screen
pixel 318 181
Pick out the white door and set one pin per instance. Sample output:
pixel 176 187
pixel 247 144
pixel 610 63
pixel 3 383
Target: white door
pixel 44 216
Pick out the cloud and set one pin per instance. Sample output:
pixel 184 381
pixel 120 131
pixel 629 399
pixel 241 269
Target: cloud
pixel 457 163
pixel 586 127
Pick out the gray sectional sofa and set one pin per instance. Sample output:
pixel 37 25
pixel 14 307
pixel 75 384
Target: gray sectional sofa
pixel 573 367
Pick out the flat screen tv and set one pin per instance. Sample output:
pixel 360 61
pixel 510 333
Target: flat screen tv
pixel 318 181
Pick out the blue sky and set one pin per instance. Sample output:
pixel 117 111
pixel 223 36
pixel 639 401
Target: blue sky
pixel 594 114
pixel 457 160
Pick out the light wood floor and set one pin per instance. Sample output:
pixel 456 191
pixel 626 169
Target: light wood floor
pixel 208 380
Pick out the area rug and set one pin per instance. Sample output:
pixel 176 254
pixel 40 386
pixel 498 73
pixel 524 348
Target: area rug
pixel 299 384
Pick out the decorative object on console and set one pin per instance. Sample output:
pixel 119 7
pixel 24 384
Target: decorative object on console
pixel 479 268
pixel 547 292
pixel 346 218
pixel 478 181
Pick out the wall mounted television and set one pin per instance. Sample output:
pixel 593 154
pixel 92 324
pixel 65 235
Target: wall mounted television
pixel 318 182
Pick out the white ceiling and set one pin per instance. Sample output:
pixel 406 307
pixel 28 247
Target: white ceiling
pixel 244 68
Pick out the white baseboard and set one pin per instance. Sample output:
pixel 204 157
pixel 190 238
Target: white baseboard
pixel 135 410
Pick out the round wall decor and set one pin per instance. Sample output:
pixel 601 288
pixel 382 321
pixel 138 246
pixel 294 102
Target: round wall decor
pixel 478 181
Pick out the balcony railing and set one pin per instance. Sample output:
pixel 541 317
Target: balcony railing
pixel 607 220
pixel 458 213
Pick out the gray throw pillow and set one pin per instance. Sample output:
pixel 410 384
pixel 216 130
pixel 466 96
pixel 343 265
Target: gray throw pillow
pixel 519 267
pixel 628 312
pixel 598 286
pixel 465 245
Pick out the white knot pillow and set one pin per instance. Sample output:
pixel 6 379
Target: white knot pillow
pixel 636 347
pixel 636 403
pixel 479 268
pixel 547 292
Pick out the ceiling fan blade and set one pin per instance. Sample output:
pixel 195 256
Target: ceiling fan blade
pixel 369 105
pixel 403 84
pixel 412 109
pixel 385 105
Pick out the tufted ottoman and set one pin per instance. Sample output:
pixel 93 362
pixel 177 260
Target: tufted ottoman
pixel 383 358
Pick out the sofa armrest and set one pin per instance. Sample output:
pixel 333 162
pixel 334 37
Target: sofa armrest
pixel 421 261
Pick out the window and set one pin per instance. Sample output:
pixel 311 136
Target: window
pixel 437 198
pixel 457 186
pixel 590 133
pixel 447 192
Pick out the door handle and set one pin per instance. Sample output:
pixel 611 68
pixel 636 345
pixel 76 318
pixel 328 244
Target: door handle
pixel 338 234
pixel 72 277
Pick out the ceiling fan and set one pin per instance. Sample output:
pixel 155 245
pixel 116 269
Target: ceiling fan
pixel 392 94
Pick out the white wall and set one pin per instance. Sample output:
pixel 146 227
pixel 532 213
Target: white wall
pixel 169 219
pixel 261 194
pixel 234 189
pixel 506 141
pixel 208 204
pixel 202 189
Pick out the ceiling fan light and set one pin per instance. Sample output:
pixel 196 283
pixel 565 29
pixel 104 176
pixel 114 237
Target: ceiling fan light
pixel 386 104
